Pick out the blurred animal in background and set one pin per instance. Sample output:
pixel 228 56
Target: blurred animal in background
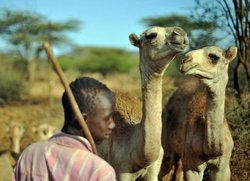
pixel 9 157
pixel 43 132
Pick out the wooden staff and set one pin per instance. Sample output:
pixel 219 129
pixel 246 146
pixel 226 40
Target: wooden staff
pixel 69 93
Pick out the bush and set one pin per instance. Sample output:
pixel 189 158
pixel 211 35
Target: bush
pixel 238 116
pixel 106 61
pixel 101 60
pixel 11 86
pixel 69 62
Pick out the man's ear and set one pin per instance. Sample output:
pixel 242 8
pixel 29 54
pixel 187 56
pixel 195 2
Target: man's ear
pixel 231 53
pixel 134 40
pixel 85 117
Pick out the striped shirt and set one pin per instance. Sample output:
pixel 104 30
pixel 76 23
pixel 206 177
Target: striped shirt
pixel 63 157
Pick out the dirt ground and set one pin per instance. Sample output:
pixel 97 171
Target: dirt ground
pixel 42 104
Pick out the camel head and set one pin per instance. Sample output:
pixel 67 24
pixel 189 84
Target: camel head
pixel 44 131
pixel 159 45
pixel 17 131
pixel 210 64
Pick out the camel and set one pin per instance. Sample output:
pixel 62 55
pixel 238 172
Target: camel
pixel 17 131
pixel 8 158
pixel 196 135
pixel 134 149
pixel 43 131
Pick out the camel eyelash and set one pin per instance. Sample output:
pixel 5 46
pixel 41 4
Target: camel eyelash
pixel 151 36
pixel 214 58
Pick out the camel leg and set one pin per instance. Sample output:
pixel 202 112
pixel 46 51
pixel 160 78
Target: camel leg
pixel 178 175
pixel 191 175
pixel 222 172
pixel 167 167
pixel 193 172
pixel 153 170
pixel 125 177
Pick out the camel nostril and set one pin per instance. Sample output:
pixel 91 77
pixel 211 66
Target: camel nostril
pixel 176 33
pixel 186 59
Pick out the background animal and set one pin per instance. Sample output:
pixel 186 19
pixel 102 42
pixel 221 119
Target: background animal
pixel 9 157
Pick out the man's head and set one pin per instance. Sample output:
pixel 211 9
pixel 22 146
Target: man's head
pixel 96 103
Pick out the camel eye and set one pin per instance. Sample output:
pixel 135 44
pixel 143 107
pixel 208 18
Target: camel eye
pixel 151 36
pixel 214 58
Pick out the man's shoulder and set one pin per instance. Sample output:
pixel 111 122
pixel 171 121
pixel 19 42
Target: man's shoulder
pixel 98 167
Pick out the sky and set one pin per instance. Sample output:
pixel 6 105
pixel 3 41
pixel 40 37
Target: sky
pixel 105 23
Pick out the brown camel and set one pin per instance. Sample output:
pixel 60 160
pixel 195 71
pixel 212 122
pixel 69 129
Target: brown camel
pixel 195 132
pixel 135 150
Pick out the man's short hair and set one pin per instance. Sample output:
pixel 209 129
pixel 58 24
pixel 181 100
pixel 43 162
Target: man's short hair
pixel 84 90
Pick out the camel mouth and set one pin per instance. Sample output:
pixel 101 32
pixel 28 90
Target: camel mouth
pixel 201 76
pixel 187 70
pixel 192 71
pixel 179 46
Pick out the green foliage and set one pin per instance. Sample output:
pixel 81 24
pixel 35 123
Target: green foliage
pixel 29 29
pixel 239 117
pixel 69 62
pixel 26 31
pixel 174 67
pixel 187 23
pixel 101 60
pixel 200 32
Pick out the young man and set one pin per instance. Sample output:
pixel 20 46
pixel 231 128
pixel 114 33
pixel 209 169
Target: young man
pixel 68 155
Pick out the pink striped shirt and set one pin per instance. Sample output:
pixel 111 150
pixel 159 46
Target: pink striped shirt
pixel 63 157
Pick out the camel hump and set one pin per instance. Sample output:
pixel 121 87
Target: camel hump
pixel 190 97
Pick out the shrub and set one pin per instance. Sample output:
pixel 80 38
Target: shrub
pixel 11 85
pixel 101 60
pixel 69 62
pixel 238 116
pixel 107 61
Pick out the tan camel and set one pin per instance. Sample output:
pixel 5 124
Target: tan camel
pixel 195 129
pixel 8 158
pixel 134 149
pixel 43 132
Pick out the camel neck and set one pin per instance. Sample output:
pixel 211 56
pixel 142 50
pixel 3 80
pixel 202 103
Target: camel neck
pixel 16 145
pixel 213 144
pixel 151 124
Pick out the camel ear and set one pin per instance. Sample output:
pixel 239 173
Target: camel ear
pixel 231 53
pixel 134 40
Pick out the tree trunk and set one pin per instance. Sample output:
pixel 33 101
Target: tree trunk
pixel 31 70
pixel 236 80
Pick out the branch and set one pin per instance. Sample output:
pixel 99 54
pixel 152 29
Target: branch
pixel 237 23
pixel 231 26
pixel 247 5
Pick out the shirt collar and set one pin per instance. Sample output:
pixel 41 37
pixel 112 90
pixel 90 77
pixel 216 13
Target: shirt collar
pixel 73 141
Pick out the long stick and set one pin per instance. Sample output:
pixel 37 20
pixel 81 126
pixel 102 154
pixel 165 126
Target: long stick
pixel 71 98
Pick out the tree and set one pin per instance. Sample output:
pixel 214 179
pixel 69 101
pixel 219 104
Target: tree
pixel 238 21
pixel 27 30
pixel 200 32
